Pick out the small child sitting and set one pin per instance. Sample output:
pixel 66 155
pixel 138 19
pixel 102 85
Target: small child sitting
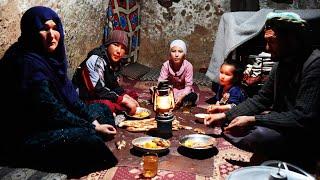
pixel 229 92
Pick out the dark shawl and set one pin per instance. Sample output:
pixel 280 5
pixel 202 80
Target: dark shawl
pixel 39 65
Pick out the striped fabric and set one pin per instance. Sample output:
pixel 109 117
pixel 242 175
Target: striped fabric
pixel 261 65
pixel 258 71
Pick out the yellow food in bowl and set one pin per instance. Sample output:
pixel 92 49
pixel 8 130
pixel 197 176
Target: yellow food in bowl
pixel 188 143
pixel 150 145
pixel 155 143
pixel 141 114
pixel 194 144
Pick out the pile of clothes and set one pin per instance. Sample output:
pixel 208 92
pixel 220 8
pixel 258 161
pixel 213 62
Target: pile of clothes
pixel 256 73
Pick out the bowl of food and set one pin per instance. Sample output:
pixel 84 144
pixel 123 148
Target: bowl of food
pixel 141 113
pixel 151 144
pixel 198 141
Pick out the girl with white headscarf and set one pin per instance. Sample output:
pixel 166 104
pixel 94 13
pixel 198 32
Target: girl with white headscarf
pixel 179 72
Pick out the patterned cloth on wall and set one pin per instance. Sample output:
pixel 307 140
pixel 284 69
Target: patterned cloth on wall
pixel 125 15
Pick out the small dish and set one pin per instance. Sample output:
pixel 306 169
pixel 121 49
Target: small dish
pixel 141 113
pixel 201 115
pixel 151 144
pixel 198 141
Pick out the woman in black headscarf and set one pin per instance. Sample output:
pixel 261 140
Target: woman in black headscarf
pixel 51 128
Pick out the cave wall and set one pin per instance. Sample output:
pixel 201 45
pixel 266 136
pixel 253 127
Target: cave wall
pixel 83 22
pixel 194 21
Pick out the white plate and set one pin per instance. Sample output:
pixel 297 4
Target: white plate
pixel 264 172
pixel 201 115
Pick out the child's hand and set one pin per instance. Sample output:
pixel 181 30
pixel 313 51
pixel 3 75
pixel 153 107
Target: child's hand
pixel 130 103
pixel 218 108
pixel 178 101
pixel 214 108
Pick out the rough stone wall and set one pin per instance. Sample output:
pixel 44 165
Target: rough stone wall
pixel 194 21
pixel 83 22
pixel 290 4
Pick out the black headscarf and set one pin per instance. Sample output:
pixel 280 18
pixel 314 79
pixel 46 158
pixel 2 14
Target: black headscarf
pixel 37 63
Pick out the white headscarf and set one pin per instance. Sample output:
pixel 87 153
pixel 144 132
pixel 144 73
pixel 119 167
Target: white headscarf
pixel 179 43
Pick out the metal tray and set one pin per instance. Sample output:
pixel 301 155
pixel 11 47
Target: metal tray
pixel 267 173
pixel 138 142
pixel 198 141
pixel 136 116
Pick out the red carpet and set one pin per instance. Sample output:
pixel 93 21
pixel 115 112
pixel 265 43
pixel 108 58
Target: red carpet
pixel 222 161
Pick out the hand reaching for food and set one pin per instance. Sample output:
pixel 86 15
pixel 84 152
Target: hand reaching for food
pixel 212 119
pixel 218 108
pixel 130 103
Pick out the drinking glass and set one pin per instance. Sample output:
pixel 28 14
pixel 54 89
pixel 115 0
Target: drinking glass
pixel 150 165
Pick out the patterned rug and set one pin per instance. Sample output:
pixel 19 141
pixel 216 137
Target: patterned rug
pixel 142 87
pixel 199 78
pixel 226 161
pixel 222 168
pixel 124 172
pixel 229 157
pixel 227 154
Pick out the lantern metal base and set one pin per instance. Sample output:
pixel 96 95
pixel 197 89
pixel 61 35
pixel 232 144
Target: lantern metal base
pixel 164 124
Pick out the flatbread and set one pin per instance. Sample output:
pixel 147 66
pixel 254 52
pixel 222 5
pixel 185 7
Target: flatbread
pixel 146 125
pixel 138 123
pixel 199 131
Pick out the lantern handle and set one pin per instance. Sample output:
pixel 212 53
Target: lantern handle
pixel 171 94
